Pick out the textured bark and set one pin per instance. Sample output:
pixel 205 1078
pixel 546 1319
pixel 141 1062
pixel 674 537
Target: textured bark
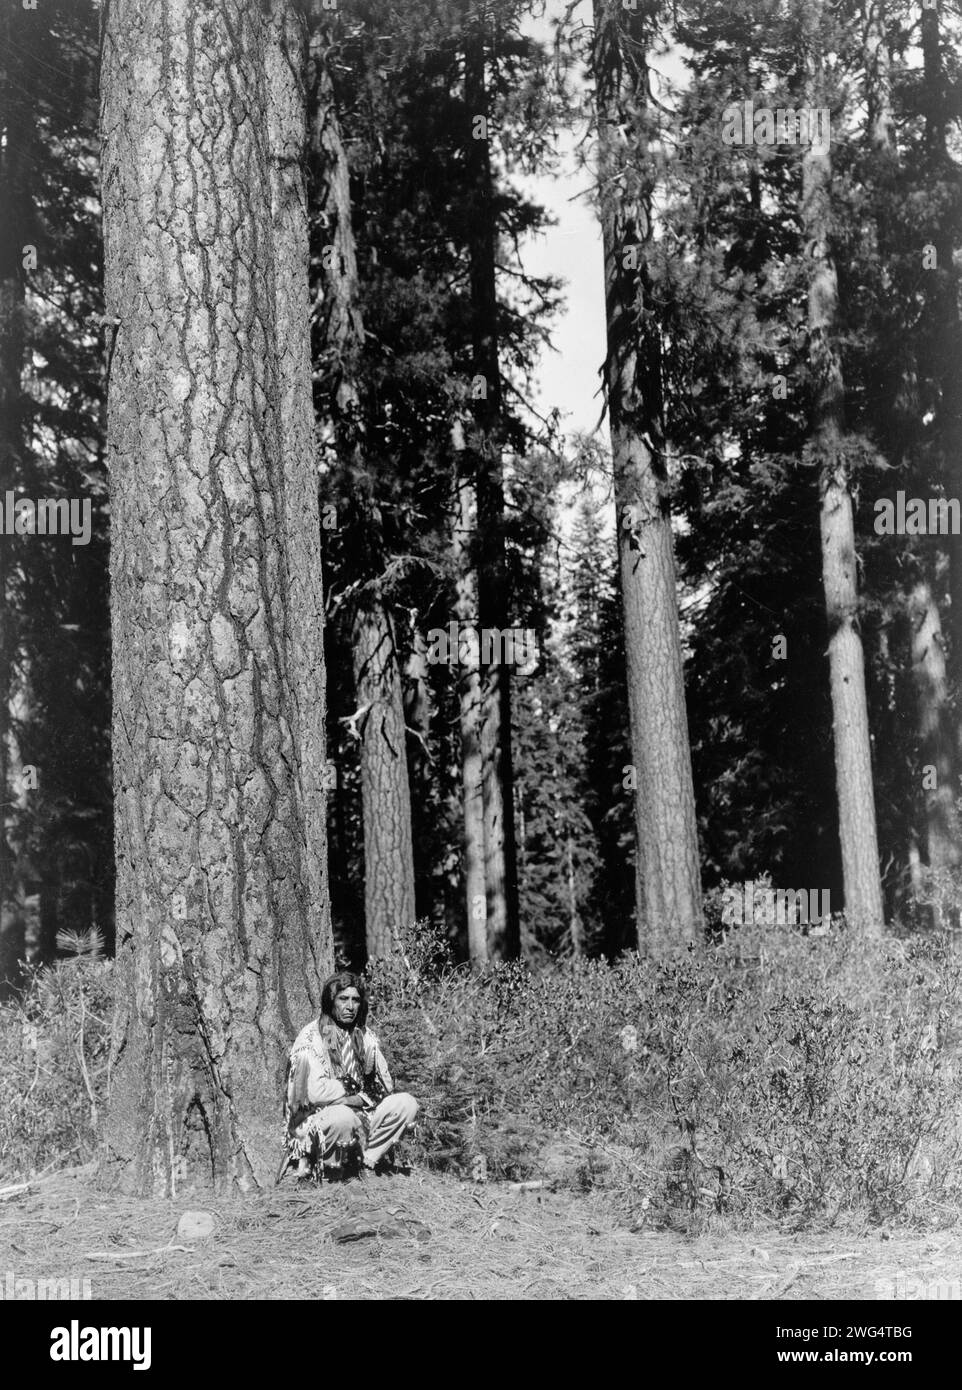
pixel 936 742
pixel 385 791
pixel 16 122
pixel 853 753
pixel 469 704
pixel 418 703
pixel 223 920
pixel 500 849
pixel 669 892
pixel 385 794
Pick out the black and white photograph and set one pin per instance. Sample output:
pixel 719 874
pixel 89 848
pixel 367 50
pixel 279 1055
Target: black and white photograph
pixel 480 665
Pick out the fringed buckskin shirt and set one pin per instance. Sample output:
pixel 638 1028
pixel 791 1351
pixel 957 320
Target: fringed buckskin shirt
pixel 317 1071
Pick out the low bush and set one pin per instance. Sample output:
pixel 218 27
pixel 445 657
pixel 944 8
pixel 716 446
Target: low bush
pixel 772 1076
pixel 54 1042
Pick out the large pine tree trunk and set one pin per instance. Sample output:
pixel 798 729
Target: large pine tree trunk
pixel 500 850
pixel 16 120
pixel 853 753
pixel 669 907
pixel 469 702
pixel 223 920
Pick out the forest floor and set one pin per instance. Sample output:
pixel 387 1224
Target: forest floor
pixel 430 1237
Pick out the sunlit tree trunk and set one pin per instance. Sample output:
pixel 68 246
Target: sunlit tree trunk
pixel 500 851
pixel 853 753
pixel 469 702
pixel 936 742
pixel 223 919
pixel 669 908
pixel 385 794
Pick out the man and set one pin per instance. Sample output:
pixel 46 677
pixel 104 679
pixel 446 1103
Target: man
pixel 341 1104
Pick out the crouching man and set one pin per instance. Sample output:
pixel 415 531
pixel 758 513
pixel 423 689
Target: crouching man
pixel 342 1109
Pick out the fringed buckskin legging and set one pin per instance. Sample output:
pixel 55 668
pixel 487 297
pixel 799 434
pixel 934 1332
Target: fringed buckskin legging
pixel 333 1133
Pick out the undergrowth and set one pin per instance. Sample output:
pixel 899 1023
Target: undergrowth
pixel 54 1041
pixel 770 1077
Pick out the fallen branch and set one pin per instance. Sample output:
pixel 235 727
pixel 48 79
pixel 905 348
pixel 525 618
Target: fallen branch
pixel 135 1254
pixel 43 1176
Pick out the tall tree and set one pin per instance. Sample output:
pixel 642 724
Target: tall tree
pixel 853 752
pixel 222 904
pixel 389 902
pixel 16 124
pixel 668 886
pixel 470 701
pixel 500 853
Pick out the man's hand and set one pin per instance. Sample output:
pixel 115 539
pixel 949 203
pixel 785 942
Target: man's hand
pixel 354 1102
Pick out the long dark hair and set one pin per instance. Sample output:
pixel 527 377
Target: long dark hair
pixel 344 979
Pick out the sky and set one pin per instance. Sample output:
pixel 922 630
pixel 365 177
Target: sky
pixel 569 377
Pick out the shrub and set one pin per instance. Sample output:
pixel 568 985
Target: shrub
pixel 772 1075
pixel 53 1061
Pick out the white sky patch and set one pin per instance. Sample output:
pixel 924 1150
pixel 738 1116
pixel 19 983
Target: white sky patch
pixel 569 377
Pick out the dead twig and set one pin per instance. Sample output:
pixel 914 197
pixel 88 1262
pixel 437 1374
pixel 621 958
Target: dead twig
pixel 136 1254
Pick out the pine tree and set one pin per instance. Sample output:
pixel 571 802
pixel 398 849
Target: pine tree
pixel 853 754
pixel 222 908
pixel 669 893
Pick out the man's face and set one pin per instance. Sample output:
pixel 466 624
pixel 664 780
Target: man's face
pixel 346 1005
